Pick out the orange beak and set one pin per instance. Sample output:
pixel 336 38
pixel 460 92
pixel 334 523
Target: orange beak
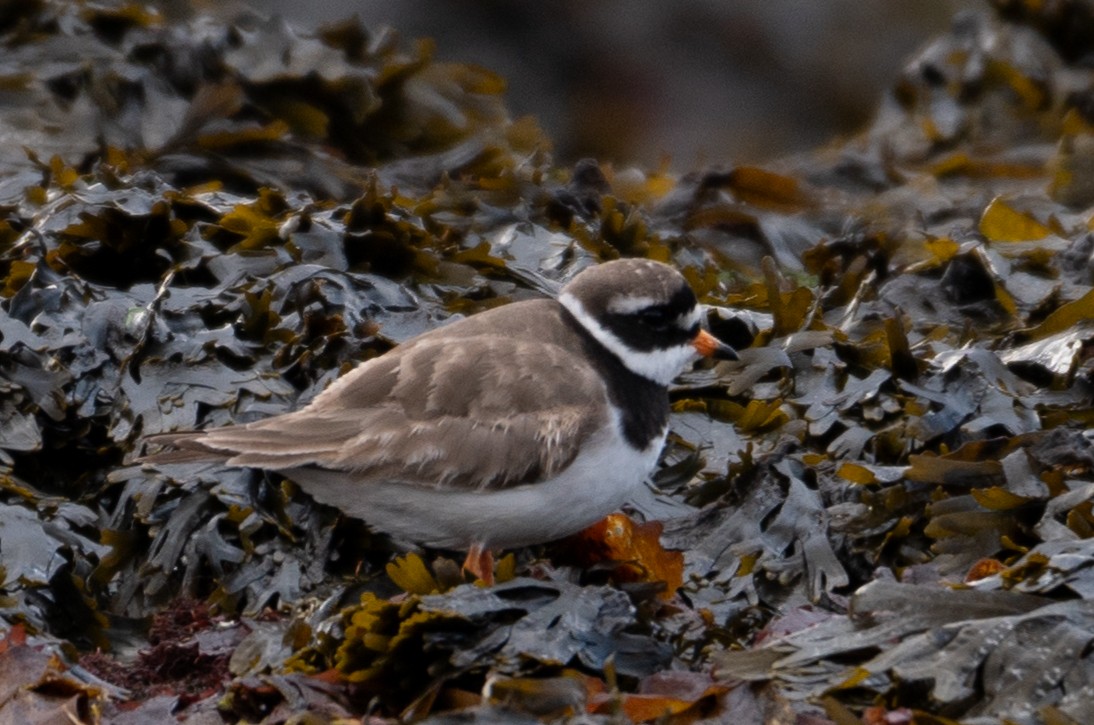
pixel 708 345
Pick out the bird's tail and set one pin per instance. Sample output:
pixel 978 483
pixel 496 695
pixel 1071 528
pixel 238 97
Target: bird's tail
pixel 184 447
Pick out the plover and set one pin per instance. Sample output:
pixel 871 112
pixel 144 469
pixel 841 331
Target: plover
pixel 516 426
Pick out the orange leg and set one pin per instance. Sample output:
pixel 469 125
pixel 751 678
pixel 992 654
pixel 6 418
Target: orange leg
pixel 480 562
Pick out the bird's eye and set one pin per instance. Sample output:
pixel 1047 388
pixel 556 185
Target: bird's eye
pixel 655 316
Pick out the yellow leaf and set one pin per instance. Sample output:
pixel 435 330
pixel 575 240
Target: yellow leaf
pixel 63 175
pixel 302 117
pixel 788 310
pixel 1032 93
pixel 36 195
pixel 1005 299
pixel 1001 222
pixel 219 139
pixel 689 405
pixel 897 533
pixel 1065 317
pixel 950 471
pixel 506 569
pixel 962 164
pixel 19 273
pixel 411 575
pixel 856 474
pixel 942 249
pixel 748 564
pixel 1074 124
pixel 761 414
pixel 857 677
pixel 998 499
pixel 958 163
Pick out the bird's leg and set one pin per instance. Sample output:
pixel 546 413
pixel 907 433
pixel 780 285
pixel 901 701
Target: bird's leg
pixel 480 562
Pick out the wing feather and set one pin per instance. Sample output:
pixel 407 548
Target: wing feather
pixel 468 413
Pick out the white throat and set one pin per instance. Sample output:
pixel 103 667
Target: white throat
pixel 660 366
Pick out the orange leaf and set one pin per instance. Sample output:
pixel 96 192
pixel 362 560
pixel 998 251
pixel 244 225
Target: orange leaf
pixel 767 189
pixel 661 695
pixel 15 637
pixel 637 548
pixel 984 568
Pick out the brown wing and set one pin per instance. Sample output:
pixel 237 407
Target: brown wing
pixel 484 412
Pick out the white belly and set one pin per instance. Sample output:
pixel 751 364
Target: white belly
pixel 600 480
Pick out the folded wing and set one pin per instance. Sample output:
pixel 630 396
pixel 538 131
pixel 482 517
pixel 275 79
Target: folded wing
pixel 442 413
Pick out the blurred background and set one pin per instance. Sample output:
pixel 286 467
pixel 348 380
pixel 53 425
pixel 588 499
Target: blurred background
pixel 693 82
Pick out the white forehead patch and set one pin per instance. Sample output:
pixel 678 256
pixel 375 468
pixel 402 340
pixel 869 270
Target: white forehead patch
pixel 630 305
pixel 690 319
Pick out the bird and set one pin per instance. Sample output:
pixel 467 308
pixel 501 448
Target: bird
pixel 512 427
